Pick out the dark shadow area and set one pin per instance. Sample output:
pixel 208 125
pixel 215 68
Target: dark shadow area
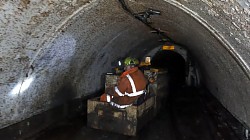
pixel 193 120
pixel 186 111
pixel 174 64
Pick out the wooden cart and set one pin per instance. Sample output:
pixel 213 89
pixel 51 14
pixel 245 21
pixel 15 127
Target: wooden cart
pixel 128 121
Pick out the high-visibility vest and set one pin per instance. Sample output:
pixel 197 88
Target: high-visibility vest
pixel 134 93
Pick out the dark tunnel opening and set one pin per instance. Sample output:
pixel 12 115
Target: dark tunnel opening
pixel 175 66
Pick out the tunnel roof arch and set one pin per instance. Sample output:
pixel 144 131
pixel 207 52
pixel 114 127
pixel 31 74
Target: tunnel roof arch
pixel 34 32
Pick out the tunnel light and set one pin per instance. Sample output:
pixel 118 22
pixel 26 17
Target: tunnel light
pixel 119 63
pixel 22 86
pixel 148 60
pixel 165 47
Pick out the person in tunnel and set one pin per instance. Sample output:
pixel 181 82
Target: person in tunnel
pixel 131 86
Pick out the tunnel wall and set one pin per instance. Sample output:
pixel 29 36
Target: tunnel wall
pixel 54 66
pixel 55 51
pixel 215 51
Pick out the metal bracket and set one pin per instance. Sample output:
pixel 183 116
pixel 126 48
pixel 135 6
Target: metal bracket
pixel 145 16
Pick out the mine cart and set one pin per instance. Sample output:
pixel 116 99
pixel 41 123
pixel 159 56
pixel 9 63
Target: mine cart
pixel 128 121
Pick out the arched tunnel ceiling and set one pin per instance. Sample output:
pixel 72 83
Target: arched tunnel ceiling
pixel 47 46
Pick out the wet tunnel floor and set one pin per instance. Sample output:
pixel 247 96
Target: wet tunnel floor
pixel 184 117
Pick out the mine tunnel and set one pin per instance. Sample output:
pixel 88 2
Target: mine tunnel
pixel 54 54
pixel 174 64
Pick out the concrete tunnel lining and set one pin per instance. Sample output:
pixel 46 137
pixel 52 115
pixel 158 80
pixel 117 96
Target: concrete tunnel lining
pixel 80 47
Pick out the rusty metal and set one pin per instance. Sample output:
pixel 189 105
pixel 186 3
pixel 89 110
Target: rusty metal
pixel 128 121
pixel 110 80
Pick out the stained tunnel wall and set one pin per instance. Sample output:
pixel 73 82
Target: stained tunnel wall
pixel 52 45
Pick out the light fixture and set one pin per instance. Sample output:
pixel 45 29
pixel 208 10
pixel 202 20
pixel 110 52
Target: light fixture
pixel 119 63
